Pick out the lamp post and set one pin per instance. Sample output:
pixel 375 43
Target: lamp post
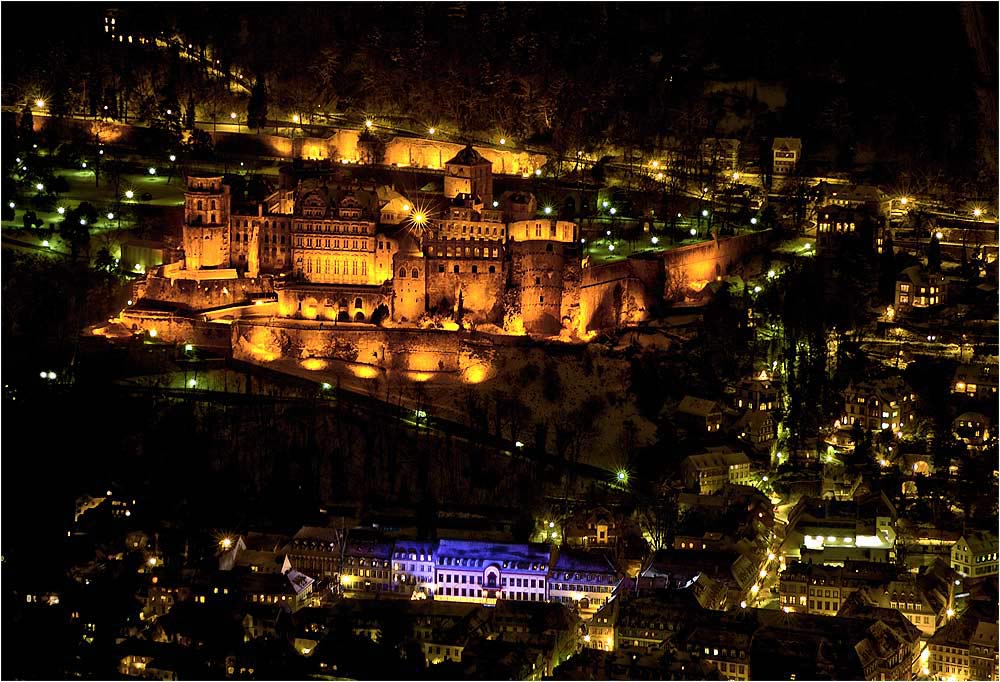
pixel 235 117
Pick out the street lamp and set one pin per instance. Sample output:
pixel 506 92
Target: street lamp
pixel 173 157
pixel 129 194
pixel 612 210
pixel 431 131
pixel 693 232
pixel 61 210
pixel 977 212
pixel 152 171
pixel 369 123
pixel 39 103
pixel 548 210
pixel 655 241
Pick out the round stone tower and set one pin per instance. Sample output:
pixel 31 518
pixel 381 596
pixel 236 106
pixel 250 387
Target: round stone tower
pixel 206 223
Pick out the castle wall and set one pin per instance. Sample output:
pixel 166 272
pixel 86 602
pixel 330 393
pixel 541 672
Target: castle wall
pixel 481 291
pixel 343 303
pixel 171 328
pixel 417 354
pixel 539 268
pixel 715 258
pixel 200 295
pixel 409 292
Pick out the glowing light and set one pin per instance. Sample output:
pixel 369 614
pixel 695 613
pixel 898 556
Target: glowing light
pixel 757 290
pixel 659 176
pixel 129 194
pixel 753 221
pixel 11 204
pixel 755 589
pixel 153 333
pixel 807 247
pixel 325 386
pixel 365 372
pixel 173 157
pixel 503 140
pixel 949 613
pixel 736 176
pixel 770 556
pixel 152 561
pixel 771 274
pixel 583 241
pixel 152 171
pixel 52 375
pixel 232 115
pixel 612 210
pixel 431 131
pixel 40 187
pixel 128 513
pixel 977 212
pixel 547 210
pixel 129 302
pixel 654 241
pixel 45 243
pixel 586 638
pixel 314 364
pixel 622 476
pixel 419 218
pixel 704 213
pixel 83 165
pixel 605 204
pixel 611 247
pixel 495 203
pixel 111 216
pixel 743 604
pixel 693 232
pixel 369 123
pixel 518 444
pixel 475 374
pixel 763 573
pixel 538 171
pixel 39 103
pixel 192 383
pixel 83 221
pixel 655 164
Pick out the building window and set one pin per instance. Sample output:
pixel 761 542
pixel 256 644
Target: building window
pixel 456 269
pixel 402 272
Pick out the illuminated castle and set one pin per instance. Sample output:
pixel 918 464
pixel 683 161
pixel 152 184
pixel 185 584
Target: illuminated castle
pixel 349 254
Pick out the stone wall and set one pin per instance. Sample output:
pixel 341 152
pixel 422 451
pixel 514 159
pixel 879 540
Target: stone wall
pixel 171 328
pixel 481 291
pixel 344 303
pixel 714 258
pixel 418 354
pixel 200 295
pixel 539 269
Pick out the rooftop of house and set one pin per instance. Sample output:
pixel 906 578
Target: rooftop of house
pixel 482 554
pixel 787 144
pixel 570 561
pixel 717 457
pixel 699 407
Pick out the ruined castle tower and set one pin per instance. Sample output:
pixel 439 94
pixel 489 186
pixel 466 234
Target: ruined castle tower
pixel 206 223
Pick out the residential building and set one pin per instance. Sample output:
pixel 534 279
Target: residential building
pixel 469 173
pixel 292 590
pixel 916 288
pixel 315 550
pixel 965 648
pixel 787 153
pixel 972 428
pixel 413 566
pixel 759 429
pixel 822 589
pixel 977 379
pixel 758 392
pixel 367 567
pixel 594 528
pixel 720 154
pixel 975 554
pixel 583 581
pixel 854 197
pixel 703 415
pixel 878 405
pixel 708 472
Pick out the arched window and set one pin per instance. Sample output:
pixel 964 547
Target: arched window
pixel 456 269
pixel 402 272
pixel 415 273
pixel 200 204
pixel 357 302
pixel 213 204
pixel 343 303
